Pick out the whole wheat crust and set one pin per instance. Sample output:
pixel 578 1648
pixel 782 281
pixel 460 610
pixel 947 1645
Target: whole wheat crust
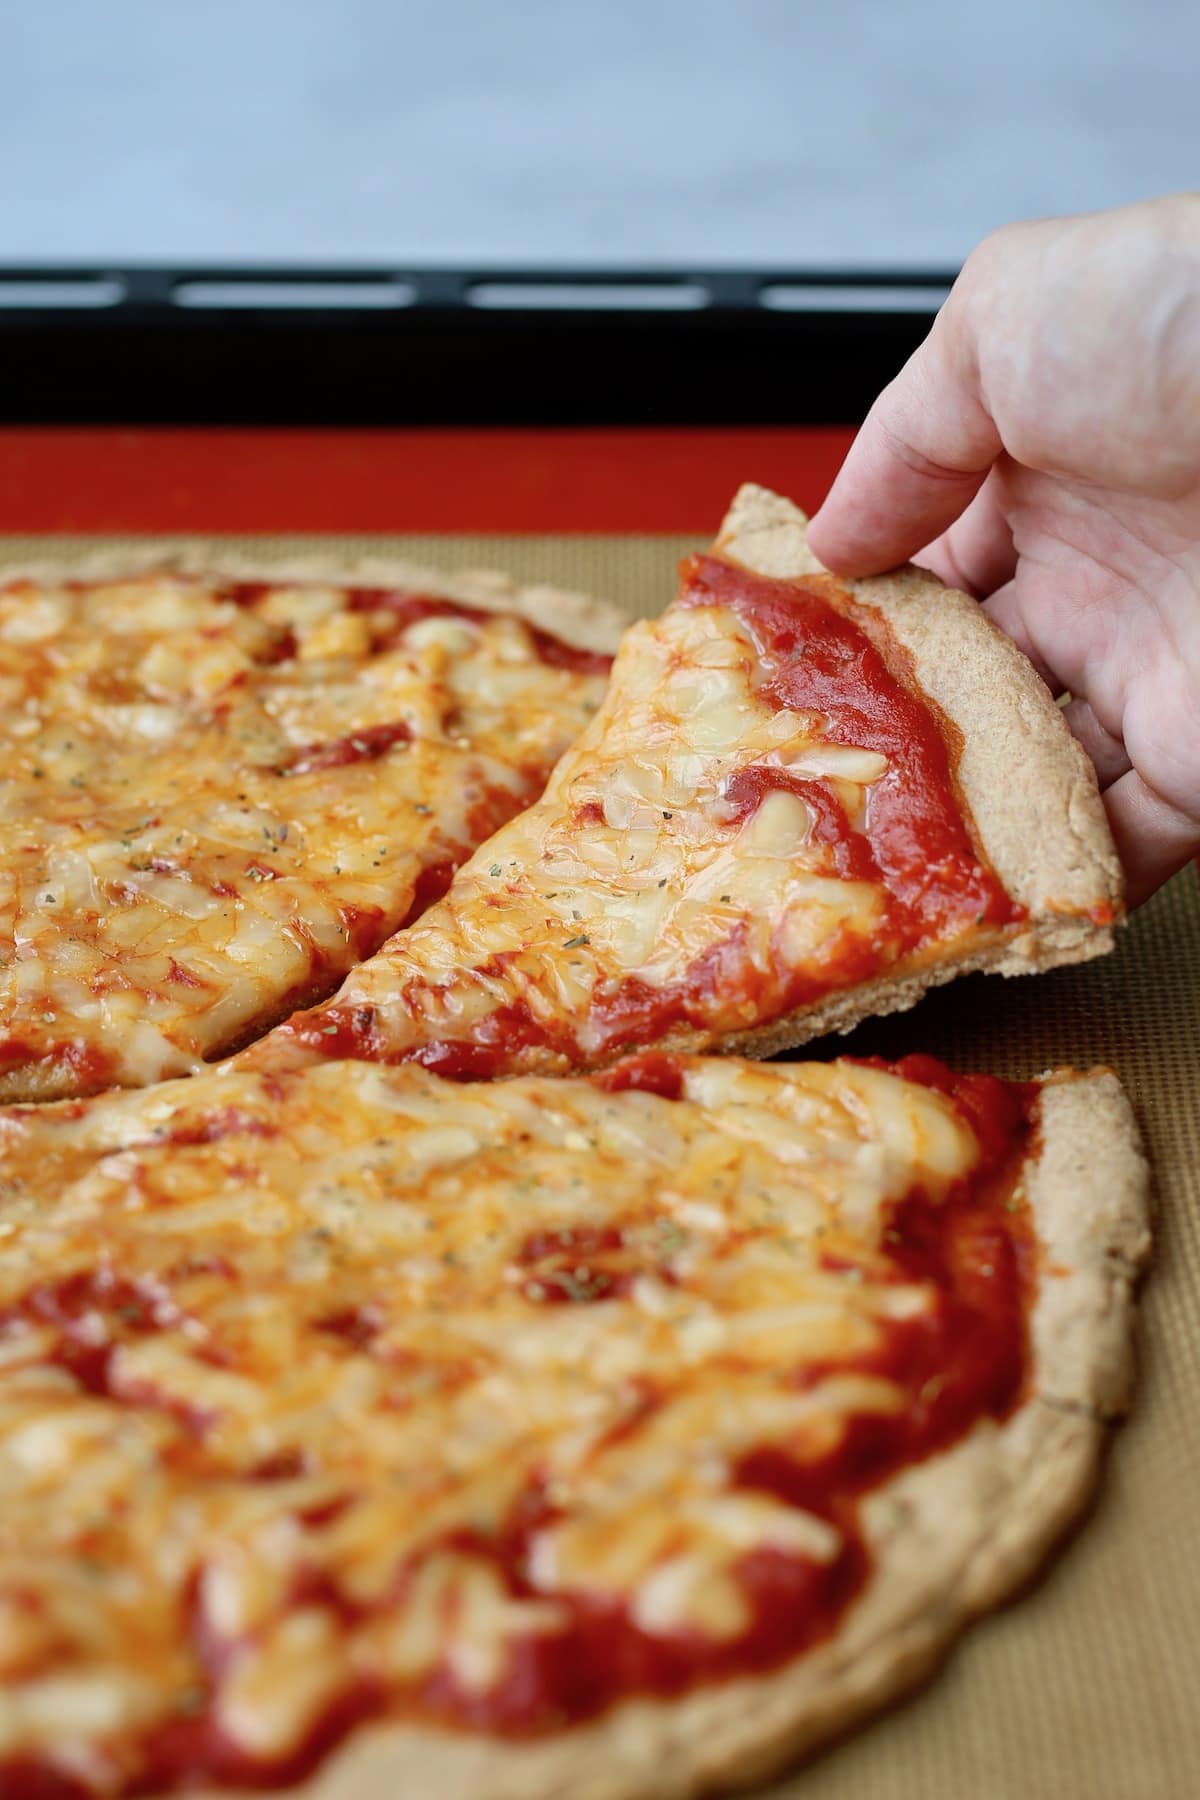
pixel 949 1538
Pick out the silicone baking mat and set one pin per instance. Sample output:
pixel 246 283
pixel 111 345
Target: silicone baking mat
pixel 1085 1687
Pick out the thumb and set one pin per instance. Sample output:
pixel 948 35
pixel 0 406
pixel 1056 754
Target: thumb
pixel 920 458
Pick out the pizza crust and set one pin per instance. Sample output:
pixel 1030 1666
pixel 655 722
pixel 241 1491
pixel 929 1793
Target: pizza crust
pixel 576 618
pixel 1029 784
pixel 951 1537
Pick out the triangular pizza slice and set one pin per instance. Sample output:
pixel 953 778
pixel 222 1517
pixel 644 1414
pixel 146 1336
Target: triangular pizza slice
pixel 805 800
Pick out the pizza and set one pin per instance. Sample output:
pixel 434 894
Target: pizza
pixel 226 783
pixel 803 801
pixel 612 1430
pixel 606 1436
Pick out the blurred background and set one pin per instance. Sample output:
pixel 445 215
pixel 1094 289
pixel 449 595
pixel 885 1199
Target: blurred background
pixel 845 133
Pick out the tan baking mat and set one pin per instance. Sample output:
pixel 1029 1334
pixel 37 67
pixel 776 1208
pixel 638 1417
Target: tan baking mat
pixel 1086 1688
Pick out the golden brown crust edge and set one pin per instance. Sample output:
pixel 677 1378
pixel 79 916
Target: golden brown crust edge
pixel 577 618
pixel 1054 943
pixel 951 1537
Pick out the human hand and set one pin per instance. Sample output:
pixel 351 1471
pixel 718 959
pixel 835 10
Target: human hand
pixel 1043 445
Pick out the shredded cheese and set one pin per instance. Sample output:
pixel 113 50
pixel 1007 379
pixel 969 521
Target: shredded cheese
pixel 198 828
pixel 634 866
pixel 265 1336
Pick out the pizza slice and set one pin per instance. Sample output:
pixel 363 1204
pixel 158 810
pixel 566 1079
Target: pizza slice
pixel 804 800
pixel 224 784
pixel 614 1436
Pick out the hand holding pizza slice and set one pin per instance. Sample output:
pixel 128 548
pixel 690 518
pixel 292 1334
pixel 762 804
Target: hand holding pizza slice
pixel 804 800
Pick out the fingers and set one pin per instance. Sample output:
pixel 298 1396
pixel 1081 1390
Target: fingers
pixel 977 553
pixel 1003 608
pixel 1106 751
pixel 919 460
pixel 1153 839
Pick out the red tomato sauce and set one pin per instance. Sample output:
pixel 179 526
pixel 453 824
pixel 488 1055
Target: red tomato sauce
pixel 435 879
pixel 648 1071
pixel 841 661
pixel 91 1312
pixel 367 745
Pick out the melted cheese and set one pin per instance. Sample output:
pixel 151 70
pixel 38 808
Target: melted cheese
pixel 634 866
pixel 328 1372
pixel 167 882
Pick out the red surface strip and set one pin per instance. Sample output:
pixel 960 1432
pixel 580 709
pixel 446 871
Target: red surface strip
pixel 94 479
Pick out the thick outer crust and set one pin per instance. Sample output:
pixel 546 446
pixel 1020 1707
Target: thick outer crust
pixel 1029 785
pixel 576 618
pixel 951 1537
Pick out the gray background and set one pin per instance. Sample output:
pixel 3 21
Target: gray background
pixel 663 131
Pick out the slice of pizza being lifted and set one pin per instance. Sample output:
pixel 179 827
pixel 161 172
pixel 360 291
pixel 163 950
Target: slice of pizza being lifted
pixel 226 783
pixel 805 800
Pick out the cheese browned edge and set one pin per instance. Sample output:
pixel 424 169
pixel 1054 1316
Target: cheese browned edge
pixel 1029 785
pixel 576 618
pixel 950 1538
